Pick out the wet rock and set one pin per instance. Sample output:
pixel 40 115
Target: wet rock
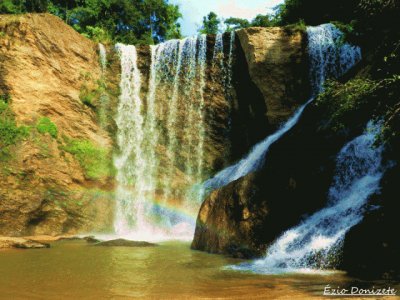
pixel 124 243
pixel 243 218
pixel 371 248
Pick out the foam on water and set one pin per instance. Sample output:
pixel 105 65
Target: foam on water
pixel 311 246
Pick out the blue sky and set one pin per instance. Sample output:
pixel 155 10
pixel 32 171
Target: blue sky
pixel 194 10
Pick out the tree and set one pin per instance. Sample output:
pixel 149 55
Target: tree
pixel 127 21
pixel 12 6
pixel 315 12
pixel 36 6
pixel 210 24
pixel 263 21
pixel 236 23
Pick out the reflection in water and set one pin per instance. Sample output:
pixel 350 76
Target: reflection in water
pixel 75 270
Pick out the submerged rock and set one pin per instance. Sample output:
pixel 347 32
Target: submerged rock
pixel 91 239
pixel 21 243
pixel 125 243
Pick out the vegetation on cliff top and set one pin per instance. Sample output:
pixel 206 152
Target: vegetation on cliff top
pixel 127 21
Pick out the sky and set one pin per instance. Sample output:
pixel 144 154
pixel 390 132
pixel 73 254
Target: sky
pixel 194 10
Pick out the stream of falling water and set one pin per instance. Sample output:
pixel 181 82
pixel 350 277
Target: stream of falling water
pixel 329 58
pixel 312 245
pixel 161 138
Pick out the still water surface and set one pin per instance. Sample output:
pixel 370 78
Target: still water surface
pixel 76 270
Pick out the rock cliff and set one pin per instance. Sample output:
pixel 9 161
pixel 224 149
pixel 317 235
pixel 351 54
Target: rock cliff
pixel 45 186
pixel 277 62
pixel 57 176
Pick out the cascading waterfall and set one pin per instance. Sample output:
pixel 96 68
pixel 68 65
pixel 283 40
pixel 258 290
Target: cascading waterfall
pixel 311 244
pixel 104 98
pixel 329 58
pixel 103 56
pixel 130 164
pixel 219 49
pixel 161 138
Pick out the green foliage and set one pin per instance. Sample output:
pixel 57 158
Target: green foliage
pixel 45 125
pixel 91 92
pixel 88 97
pixel 22 6
pixel 264 21
pixel 236 23
pixel 95 33
pixel 315 12
pixel 210 24
pixel 299 26
pixel 10 133
pixel 341 101
pixel 359 100
pixel 94 160
pixel 9 7
pixel 127 21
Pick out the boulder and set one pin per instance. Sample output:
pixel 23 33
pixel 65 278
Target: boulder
pixel 243 218
pixel 278 65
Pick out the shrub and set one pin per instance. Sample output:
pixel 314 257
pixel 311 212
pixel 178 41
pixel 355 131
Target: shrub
pixel 10 133
pixel 360 99
pixel 94 160
pixel 45 125
pixel 342 101
pixel 95 33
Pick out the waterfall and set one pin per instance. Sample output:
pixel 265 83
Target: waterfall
pixel 218 49
pixel 329 58
pixel 103 56
pixel 130 163
pixel 313 243
pixel 161 137
pixel 104 98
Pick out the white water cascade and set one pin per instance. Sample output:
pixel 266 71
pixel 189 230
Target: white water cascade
pixel 161 137
pixel 313 243
pixel 104 98
pixel 329 58
pixel 103 56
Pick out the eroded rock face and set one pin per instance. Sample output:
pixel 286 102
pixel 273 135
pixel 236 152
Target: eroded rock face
pixel 45 66
pixel 43 188
pixel 278 66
